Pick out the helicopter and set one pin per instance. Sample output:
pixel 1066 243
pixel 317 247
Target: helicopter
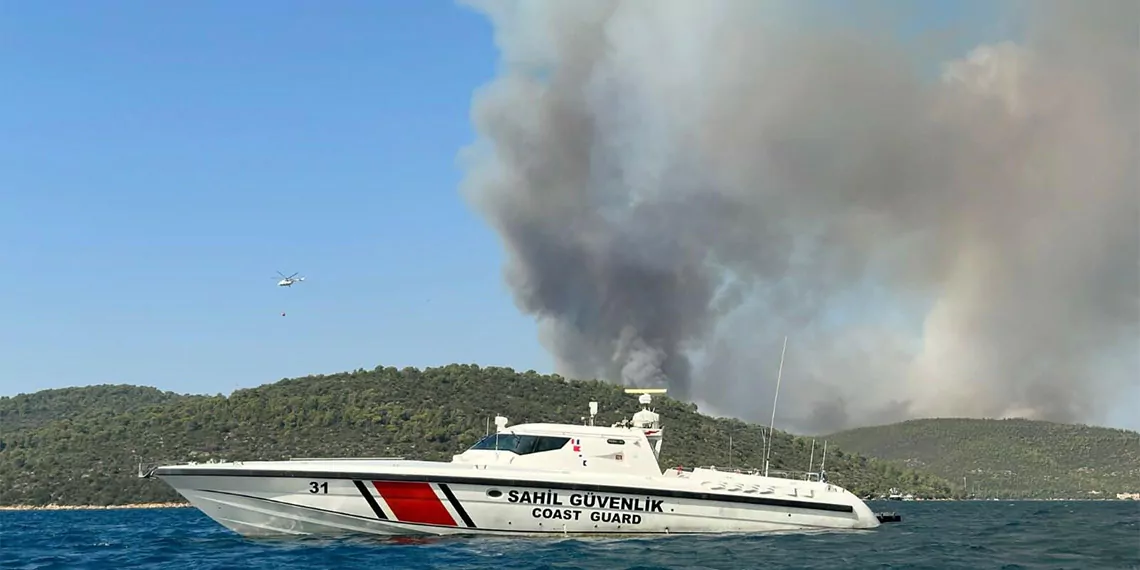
pixel 288 281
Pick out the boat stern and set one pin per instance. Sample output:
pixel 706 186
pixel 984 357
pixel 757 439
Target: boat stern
pixel 865 517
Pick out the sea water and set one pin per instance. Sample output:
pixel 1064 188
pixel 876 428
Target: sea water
pixel 1092 535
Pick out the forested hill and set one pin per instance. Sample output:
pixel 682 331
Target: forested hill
pixel 81 445
pixel 43 407
pixel 1009 458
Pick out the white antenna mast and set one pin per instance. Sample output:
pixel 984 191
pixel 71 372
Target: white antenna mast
pixel 823 461
pixel 811 459
pixel 772 425
pixel 764 437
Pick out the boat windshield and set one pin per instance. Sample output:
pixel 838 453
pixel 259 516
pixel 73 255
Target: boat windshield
pixel 520 444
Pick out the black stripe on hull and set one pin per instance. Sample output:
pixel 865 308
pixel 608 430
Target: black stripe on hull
pixel 371 500
pixel 455 505
pixel 490 482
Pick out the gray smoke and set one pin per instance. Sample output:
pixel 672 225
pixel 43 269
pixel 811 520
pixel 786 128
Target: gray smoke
pixel 679 184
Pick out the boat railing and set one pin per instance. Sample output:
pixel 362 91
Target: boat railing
pixel 781 474
pixel 147 469
pixel 797 475
pixel 346 458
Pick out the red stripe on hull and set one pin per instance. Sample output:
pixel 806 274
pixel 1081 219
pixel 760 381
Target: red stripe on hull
pixel 414 502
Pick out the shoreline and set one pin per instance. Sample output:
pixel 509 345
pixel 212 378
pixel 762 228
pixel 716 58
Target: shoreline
pixel 93 507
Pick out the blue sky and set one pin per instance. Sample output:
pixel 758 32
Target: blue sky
pixel 160 162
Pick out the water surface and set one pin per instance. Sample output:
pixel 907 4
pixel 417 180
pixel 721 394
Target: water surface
pixel 1080 535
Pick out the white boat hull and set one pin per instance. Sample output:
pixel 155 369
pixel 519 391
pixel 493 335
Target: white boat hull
pixel 370 503
pixel 528 479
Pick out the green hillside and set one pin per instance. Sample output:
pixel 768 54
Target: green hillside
pixel 1009 458
pixel 40 408
pixel 82 448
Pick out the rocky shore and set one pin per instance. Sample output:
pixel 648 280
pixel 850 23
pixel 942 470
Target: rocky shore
pixel 91 507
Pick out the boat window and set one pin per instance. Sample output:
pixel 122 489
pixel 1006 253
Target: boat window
pixel 616 441
pixel 549 443
pixel 520 444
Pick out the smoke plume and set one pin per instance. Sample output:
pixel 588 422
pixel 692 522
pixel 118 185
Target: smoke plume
pixel 680 184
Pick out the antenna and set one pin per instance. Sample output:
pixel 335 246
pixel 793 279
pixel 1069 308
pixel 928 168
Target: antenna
pixel 811 459
pixel 764 441
pixel 645 399
pixel 730 447
pixel 646 418
pixel 646 390
pixel 772 425
pixel 823 462
pixel 500 425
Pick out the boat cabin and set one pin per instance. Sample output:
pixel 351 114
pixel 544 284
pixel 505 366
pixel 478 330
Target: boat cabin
pixel 629 447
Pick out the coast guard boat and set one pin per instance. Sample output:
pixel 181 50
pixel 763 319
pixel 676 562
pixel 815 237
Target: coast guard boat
pixel 538 478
